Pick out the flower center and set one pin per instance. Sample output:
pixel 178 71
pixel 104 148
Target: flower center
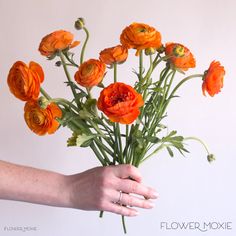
pixel 38 118
pixel 88 69
pixel 141 30
pixel 117 98
pixel 179 51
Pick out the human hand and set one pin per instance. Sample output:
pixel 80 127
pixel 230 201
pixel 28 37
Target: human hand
pixel 109 189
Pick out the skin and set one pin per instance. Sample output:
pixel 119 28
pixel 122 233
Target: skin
pixel 95 189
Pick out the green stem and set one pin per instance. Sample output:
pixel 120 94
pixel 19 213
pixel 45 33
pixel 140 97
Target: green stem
pixel 99 156
pixel 177 87
pixel 126 142
pixel 120 142
pixel 84 45
pixel 89 92
pixel 102 149
pixel 183 81
pixel 68 77
pixel 140 64
pixel 101 214
pixel 115 72
pixel 45 94
pixel 64 102
pixel 200 141
pixel 154 152
pixel 123 224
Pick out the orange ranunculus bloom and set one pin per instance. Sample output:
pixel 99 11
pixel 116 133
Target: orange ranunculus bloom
pixel 120 102
pixel 180 56
pixel 42 121
pixel 112 55
pixel 213 79
pixel 90 73
pixel 140 36
pixel 24 81
pixel 58 40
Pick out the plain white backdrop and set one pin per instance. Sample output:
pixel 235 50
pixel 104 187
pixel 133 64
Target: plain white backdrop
pixel 190 188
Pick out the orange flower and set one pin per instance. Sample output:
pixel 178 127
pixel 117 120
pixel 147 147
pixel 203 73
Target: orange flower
pixel 90 73
pixel 180 56
pixel 42 121
pixel 24 82
pixel 58 40
pixel 112 55
pixel 120 102
pixel 213 79
pixel 140 36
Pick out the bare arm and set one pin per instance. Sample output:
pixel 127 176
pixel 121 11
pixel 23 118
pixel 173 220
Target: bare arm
pixel 95 189
pixel 33 185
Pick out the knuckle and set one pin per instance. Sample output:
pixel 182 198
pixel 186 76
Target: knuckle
pixel 133 187
pixel 123 211
pixel 144 204
pixel 99 204
pixel 103 179
pixel 101 194
pixel 130 201
pixel 149 193
pixel 130 168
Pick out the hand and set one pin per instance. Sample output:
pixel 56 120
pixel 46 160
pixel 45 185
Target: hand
pixel 101 188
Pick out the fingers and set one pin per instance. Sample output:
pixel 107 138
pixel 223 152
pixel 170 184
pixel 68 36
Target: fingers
pixel 127 171
pixel 121 210
pixel 130 186
pixel 133 201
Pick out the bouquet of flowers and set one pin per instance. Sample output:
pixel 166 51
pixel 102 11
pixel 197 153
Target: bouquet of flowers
pixel 125 123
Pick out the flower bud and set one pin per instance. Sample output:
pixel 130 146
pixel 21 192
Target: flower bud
pixel 179 51
pixel 150 51
pixel 58 63
pixel 43 102
pixel 210 157
pixel 79 24
pixel 72 140
pixel 161 49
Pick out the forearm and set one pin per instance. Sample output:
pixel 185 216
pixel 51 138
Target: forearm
pixel 96 189
pixel 32 185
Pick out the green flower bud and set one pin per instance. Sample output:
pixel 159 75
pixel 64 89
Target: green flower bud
pixel 179 51
pixel 43 102
pixel 58 63
pixel 72 140
pixel 210 158
pixel 79 24
pixel 150 51
pixel 161 49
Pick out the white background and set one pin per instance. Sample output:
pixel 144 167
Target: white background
pixel 190 188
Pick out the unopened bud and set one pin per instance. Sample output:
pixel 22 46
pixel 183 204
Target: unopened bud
pixel 150 51
pixel 79 24
pixel 161 49
pixel 58 63
pixel 179 51
pixel 210 158
pixel 43 102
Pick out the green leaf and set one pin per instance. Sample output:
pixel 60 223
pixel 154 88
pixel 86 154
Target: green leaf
pixel 172 133
pixel 152 139
pixel 170 151
pixel 83 138
pixel 90 104
pixel 85 114
pixel 101 85
pixel 178 138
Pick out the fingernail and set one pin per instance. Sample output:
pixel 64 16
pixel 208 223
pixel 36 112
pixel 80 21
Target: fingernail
pixel 151 204
pixel 135 213
pixel 155 195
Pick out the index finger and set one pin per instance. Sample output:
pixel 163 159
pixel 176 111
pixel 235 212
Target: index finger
pixel 130 186
pixel 126 171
